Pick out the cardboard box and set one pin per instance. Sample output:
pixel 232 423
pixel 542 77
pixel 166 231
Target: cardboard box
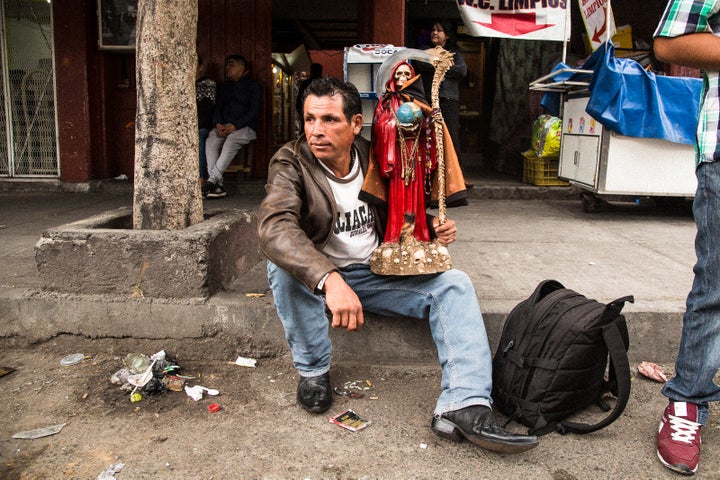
pixel 623 37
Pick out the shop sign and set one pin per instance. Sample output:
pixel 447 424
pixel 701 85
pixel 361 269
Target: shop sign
pixel 521 19
pixel 595 14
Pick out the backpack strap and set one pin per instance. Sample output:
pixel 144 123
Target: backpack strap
pixel 612 313
pixel 620 368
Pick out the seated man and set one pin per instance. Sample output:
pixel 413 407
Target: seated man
pixel 235 117
pixel 318 259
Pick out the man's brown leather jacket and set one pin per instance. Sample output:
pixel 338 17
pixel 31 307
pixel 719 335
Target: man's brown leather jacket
pixel 298 213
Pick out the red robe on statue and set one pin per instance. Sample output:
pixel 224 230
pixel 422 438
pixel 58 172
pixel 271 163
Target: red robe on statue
pixel 406 158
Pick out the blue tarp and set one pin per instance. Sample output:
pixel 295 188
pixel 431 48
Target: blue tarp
pixel 626 98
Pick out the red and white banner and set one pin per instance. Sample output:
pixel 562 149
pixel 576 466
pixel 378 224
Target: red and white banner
pixel 594 14
pixel 521 19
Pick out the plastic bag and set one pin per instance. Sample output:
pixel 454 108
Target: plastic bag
pixel 546 133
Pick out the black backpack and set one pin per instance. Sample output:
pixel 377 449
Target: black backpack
pixel 552 359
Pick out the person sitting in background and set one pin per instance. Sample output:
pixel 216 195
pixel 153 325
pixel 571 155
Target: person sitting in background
pixel 205 91
pixel 236 115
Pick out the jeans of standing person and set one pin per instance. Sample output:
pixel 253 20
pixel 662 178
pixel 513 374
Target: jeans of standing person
pixel 220 151
pixel 202 135
pixel 448 299
pixel 698 359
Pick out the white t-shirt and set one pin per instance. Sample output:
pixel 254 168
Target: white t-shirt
pixel 354 238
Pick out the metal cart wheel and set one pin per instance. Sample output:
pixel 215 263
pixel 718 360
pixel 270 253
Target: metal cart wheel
pixel 591 203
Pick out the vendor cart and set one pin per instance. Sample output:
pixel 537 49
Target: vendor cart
pixel 608 166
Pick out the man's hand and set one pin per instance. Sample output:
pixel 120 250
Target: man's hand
pixel 343 303
pixel 446 232
pixel 225 129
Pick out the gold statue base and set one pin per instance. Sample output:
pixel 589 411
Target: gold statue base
pixel 410 257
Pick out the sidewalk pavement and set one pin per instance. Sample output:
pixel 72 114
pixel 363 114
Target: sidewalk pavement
pixel 512 236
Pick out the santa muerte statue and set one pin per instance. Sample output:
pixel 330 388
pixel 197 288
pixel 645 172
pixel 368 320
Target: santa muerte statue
pixel 413 162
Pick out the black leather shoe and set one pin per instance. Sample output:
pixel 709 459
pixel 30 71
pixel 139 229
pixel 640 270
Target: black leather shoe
pixel 314 393
pixel 477 424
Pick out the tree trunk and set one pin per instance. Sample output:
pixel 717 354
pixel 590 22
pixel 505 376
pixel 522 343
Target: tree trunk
pixel 167 191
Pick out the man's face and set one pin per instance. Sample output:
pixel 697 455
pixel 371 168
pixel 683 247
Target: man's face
pixel 328 132
pixel 402 75
pixel 234 70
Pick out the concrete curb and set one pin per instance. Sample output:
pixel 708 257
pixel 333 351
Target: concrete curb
pixel 507 247
pixel 234 322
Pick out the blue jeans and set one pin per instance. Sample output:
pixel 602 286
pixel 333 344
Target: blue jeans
pixel 202 136
pixel 447 300
pixel 699 357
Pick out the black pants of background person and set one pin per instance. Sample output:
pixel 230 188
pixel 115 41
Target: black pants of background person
pixel 450 109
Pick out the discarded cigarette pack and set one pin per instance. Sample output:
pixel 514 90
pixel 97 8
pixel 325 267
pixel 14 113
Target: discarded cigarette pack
pixel 350 420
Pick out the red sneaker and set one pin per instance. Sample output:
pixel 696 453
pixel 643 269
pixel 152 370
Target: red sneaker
pixel 678 440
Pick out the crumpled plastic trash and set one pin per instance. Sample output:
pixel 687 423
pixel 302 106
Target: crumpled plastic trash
pixel 652 371
pixel 196 392
pixel 120 377
pixel 245 362
pixel 110 472
pixel 145 373
pixel 142 379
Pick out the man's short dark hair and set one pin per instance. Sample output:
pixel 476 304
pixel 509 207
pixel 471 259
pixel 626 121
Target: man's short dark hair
pixel 328 86
pixel 238 58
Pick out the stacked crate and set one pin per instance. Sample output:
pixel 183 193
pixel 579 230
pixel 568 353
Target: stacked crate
pixel 542 171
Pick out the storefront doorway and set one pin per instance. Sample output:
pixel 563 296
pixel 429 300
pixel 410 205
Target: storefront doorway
pixel 28 124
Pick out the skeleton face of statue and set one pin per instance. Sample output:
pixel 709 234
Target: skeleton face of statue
pixel 402 75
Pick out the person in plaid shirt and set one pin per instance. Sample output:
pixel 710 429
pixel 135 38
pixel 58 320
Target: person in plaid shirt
pixel 689 35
